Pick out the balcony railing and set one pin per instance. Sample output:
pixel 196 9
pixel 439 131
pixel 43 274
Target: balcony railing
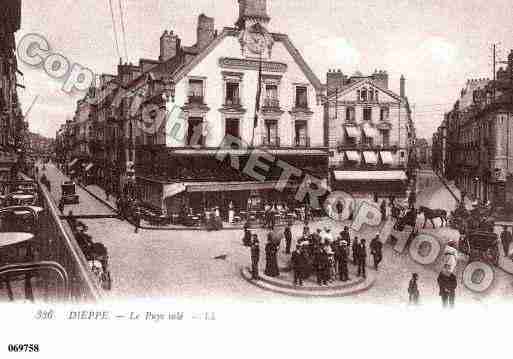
pixel 232 101
pixel 271 103
pixel 56 247
pixel 196 99
pixel 271 141
pixel 302 105
pixel 302 141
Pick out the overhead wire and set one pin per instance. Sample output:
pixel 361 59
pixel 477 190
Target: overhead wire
pixel 114 28
pixel 122 15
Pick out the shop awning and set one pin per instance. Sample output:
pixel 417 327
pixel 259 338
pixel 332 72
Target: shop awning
pixel 370 131
pixel 353 156
pixel 173 189
pixel 242 152
pixel 370 175
pixel 352 131
pixel 370 157
pixel 75 160
pixel 89 166
pixel 386 157
pixel 231 186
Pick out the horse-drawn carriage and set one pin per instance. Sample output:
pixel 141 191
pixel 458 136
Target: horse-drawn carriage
pixel 481 245
pixel 69 195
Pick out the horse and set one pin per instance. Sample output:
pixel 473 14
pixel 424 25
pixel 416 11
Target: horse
pixel 432 214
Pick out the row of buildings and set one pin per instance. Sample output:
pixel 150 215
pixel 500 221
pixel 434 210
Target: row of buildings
pixel 13 128
pixel 474 144
pixel 352 132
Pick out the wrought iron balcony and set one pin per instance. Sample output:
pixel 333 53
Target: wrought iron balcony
pixel 273 141
pixel 271 103
pixel 302 105
pixel 302 141
pixel 232 102
pixel 196 99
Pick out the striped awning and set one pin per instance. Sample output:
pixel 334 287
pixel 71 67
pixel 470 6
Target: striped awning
pixel 353 156
pixel 370 157
pixel 172 189
pixel 386 157
pixel 370 175
pixel 231 186
pixel 370 131
pixel 352 131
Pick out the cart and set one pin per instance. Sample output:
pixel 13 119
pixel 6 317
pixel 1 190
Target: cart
pixel 481 246
pixel 69 195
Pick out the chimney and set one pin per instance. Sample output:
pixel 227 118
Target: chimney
pixel 335 79
pixel 169 46
pixel 205 32
pixel 402 90
pixel 380 78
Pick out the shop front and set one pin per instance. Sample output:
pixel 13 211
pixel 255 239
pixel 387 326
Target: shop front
pixel 365 183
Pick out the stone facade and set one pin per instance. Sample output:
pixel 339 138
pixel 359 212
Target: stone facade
pixel 368 126
pixel 13 128
pixel 474 145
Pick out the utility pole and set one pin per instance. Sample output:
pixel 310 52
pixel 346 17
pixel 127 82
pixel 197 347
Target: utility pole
pixel 494 52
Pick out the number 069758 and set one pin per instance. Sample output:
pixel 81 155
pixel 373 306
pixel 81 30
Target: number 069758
pixel 27 348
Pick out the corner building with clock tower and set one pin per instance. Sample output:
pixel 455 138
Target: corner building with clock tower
pixel 210 93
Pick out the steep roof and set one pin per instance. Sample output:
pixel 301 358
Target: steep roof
pixel 187 67
pixel 356 84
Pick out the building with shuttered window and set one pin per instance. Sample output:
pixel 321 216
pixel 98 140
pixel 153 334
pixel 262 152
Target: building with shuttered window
pixel 370 134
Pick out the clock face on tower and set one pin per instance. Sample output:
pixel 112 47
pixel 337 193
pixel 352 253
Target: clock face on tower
pixel 256 42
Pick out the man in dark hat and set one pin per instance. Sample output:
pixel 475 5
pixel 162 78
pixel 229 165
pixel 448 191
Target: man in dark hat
pixel 246 239
pixel 137 220
pixel 343 257
pixel 447 283
pixel 298 262
pixel 288 238
pixel 506 239
pixel 345 236
pixel 255 257
pixel 362 258
pixel 376 248
pixel 412 198
pixel 355 247
pixel 316 237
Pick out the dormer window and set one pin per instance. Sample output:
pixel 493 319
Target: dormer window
pixel 384 114
pixel 196 91
pixel 364 95
pixel 301 97
pixel 350 114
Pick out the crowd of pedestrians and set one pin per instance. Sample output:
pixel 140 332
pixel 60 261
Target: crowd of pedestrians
pixel 327 259
pixel 317 254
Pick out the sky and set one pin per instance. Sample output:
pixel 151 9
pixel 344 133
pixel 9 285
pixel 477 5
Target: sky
pixel 436 44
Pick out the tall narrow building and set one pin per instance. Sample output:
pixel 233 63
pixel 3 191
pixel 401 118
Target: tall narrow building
pixel 12 125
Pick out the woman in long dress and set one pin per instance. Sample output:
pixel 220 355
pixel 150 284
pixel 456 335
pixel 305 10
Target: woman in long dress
pixel 271 259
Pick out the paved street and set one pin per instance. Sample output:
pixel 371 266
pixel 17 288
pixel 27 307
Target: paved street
pixel 181 265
